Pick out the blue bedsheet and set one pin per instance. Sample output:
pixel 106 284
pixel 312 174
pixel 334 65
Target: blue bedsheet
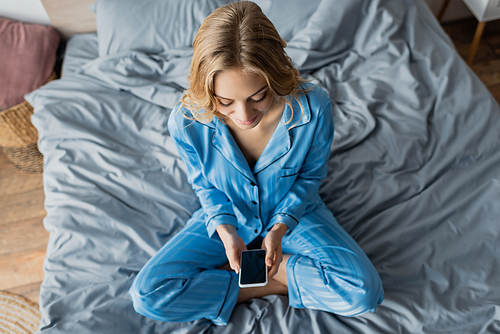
pixel 414 175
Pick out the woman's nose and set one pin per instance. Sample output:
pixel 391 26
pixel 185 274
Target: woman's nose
pixel 244 112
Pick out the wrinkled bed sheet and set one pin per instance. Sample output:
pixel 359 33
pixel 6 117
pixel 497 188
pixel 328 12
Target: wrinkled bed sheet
pixel 414 176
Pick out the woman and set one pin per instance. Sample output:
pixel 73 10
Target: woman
pixel 255 139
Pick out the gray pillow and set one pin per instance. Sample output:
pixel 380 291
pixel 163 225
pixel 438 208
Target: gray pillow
pixel 154 26
pixel 150 26
pixel 288 16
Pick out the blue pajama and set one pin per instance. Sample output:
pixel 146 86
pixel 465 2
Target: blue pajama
pixel 328 270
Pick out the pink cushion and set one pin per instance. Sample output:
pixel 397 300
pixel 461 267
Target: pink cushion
pixel 27 59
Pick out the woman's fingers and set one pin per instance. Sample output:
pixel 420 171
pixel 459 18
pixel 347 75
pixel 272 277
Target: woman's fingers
pixel 234 246
pixel 272 245
pixel 233 256
pixel 276 261
pixel 271 255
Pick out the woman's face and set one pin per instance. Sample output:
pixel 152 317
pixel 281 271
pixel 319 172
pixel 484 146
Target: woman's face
pixel 243 97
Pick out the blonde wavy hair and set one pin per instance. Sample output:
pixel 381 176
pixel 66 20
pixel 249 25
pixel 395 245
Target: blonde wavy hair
pixel 238 35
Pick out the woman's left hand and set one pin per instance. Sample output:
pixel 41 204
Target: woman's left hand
pixel 272 245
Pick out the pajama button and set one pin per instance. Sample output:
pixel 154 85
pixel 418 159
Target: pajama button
pixel 256 231
pixel 253 202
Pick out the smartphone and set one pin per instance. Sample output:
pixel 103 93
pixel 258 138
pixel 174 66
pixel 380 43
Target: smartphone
pixel 253 269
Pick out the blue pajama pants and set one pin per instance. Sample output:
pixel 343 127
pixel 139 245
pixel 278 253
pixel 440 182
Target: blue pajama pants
pixel 328 271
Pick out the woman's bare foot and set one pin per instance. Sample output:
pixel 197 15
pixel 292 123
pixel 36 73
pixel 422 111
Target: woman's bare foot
pixel 277 285
pixel 272 288
pixel 281 274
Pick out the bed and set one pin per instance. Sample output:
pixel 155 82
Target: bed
pixel 414 173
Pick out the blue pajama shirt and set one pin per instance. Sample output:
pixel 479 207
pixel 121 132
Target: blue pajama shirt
pixel 327 271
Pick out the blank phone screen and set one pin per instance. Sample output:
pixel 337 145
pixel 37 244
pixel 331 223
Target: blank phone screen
pixel 253 267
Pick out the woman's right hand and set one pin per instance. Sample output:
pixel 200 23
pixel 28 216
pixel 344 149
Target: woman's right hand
pixel 233 244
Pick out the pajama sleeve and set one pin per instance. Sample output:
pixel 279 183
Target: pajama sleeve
pixel 292 206
pixel 216 205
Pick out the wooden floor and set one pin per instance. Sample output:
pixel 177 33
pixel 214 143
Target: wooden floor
pixel 486 64
pixel 23 239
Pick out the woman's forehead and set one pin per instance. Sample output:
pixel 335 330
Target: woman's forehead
pixel 237 83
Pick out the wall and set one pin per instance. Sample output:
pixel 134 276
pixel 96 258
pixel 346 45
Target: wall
pixel 31 11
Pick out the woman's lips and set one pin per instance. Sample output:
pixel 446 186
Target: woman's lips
pixel 250 121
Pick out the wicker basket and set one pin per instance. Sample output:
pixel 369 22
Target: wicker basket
pixel 18 138
pixel 18 315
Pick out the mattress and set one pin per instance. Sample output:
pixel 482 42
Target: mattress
pixel 414 173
